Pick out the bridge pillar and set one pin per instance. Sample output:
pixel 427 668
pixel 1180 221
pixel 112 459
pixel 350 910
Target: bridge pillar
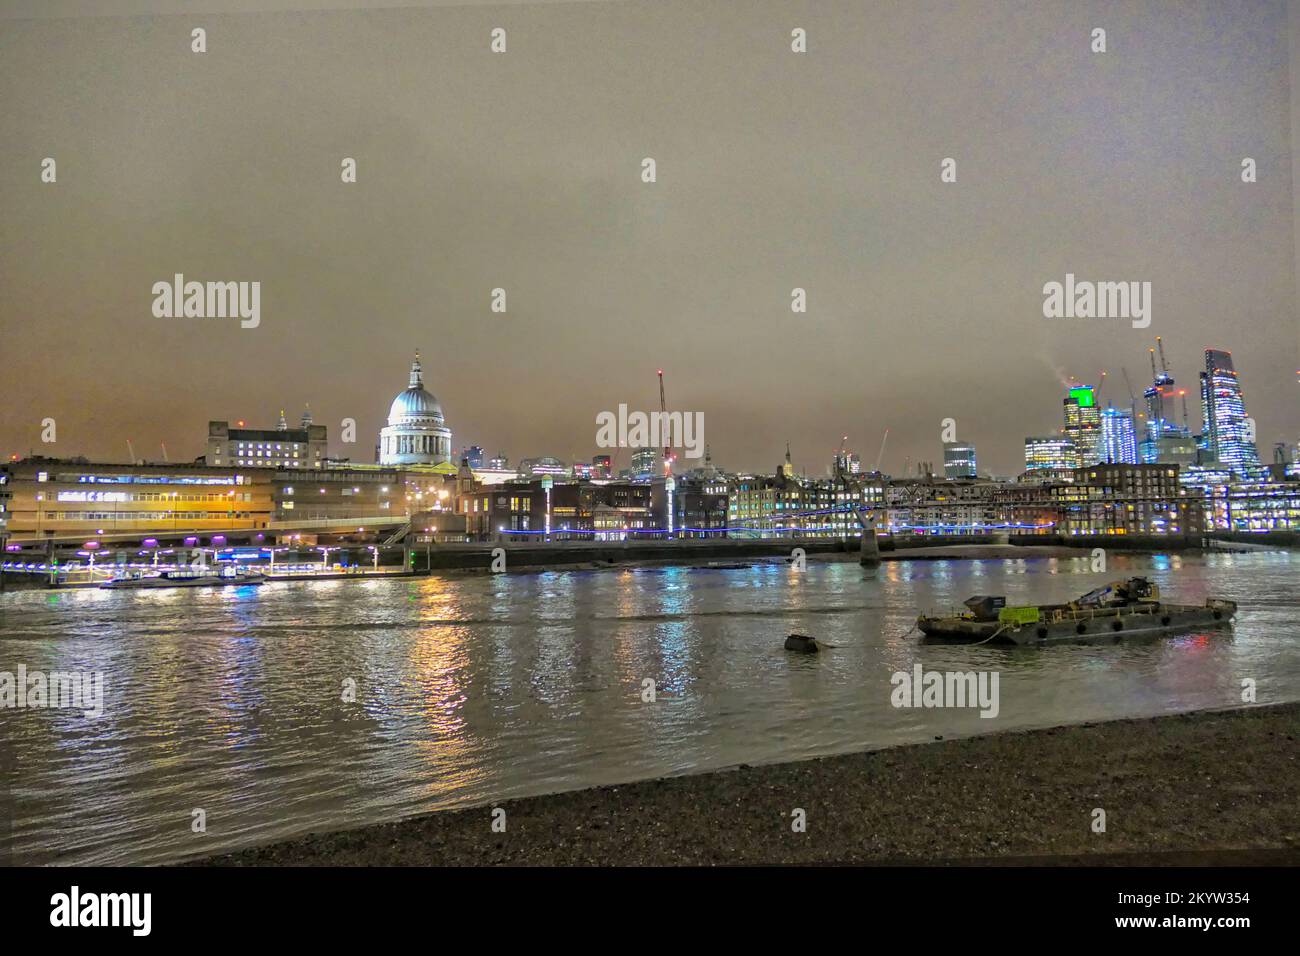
pixel 869 557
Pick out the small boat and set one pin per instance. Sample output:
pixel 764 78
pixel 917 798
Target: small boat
pixel 1122 609
pixel 224 578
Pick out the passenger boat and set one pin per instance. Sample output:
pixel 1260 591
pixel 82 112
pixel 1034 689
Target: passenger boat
pixel 1120 610
pixel 226 577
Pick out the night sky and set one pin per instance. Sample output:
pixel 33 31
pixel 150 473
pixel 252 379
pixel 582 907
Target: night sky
pixel 522 170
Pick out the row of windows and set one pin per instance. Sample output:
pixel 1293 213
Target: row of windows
pixel 135 516
pixel 148 496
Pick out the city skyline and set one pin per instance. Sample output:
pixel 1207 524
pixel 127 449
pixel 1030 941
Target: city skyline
pixel 806 461
pixel 924 297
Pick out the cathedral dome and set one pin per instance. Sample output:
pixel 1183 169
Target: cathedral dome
pixel 416 402
pixel 416 433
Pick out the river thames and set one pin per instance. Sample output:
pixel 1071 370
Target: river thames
pixel 471 688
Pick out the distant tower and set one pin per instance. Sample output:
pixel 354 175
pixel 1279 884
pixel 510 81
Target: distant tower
pixel 959 461
pixel 787 467
pixel 306 416
pixel 1118 437
pixel 1083 424
pixel 282 425
pixel 1229 437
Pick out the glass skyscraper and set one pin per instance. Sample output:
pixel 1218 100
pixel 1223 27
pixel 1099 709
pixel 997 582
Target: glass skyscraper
pixel 1229 435
pixel 1083 425
pixel 1118 437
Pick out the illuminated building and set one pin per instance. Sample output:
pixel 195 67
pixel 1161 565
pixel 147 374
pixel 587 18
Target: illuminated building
pixel 643 463
pixel 1083 424
pixel 74 497
pixel 474 455
pixel 1254 506
pixel 335 494
pixel 578 511
pixel 1118 437
pixel 416 432
pixel 499 463
pixel 4 507
pixel 1049 452
pixel 279 447
pixel 529 467
pixel 602 466
pixel 1229 433
pixel 1128 499
pixel 959 461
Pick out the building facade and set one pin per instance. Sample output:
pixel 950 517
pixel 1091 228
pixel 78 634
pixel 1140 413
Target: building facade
pixel 279 447
pixel 959 461
pixel 69 497
pixel 1229 434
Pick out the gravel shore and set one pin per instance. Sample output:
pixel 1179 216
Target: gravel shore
pixel 1214 787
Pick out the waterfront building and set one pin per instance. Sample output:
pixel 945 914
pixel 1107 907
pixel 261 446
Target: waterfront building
pixel 279 447
pixel 417 431
pixel 1118 437
pixel 318 497
pixel 73 497
pixel 1229 432
pixel 4 508
pixel 959 461
pixel 930 505
pixel 1050 451
pixel 583 471
pixel 784 505
pixel 1252 506
pixel 1127 499
pixel 700 508
pixel 524 510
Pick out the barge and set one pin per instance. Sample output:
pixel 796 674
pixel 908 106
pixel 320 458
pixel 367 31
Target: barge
pixel 1120 610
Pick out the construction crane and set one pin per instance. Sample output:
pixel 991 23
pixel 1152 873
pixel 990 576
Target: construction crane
pixel 1182 392
pixel 1132 398
pixel 841 461
pixel 1164 366
pixel 881 453
pixel 663 419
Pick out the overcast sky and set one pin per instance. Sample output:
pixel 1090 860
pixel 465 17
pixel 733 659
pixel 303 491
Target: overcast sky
pixel 522 171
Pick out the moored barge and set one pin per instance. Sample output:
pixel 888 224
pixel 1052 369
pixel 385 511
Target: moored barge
pixel 1121 610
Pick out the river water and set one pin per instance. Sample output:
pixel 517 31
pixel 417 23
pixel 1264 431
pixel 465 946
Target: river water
pixel 471 689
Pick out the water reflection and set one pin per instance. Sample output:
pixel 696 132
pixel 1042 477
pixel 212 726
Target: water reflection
pixel 477 688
